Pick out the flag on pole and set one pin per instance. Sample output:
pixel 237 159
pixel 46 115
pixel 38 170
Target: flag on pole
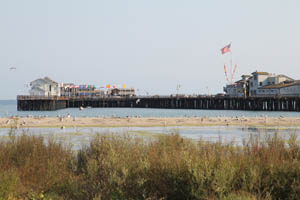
pixel 123 86
pixel 234 69
pixel 107 86
pixel 226 49
pixel 225 71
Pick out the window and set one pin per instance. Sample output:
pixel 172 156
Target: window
pixel 255 77
pixel 251 84
pixel 260 83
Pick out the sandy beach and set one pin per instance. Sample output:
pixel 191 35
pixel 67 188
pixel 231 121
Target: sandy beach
pixel 27 122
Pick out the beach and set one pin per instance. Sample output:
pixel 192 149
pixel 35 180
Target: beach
pixel 69 121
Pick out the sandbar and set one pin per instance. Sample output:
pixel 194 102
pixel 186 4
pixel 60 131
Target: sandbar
pixel 28 122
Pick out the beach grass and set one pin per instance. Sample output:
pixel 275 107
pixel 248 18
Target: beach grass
pixel 115 166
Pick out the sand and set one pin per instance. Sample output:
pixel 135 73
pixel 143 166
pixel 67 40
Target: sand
pixel 27 122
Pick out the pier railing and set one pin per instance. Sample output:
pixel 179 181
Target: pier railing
pixel 29 97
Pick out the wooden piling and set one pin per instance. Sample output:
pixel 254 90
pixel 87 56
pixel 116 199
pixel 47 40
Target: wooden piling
pixel 169 102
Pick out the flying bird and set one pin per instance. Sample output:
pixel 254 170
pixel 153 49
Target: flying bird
pixel 12 68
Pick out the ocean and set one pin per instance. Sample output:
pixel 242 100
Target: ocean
pixel 9 108
pixel 78 136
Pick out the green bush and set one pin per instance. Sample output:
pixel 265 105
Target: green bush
pixel 169 167
pixel 9 182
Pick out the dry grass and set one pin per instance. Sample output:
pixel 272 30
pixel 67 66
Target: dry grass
pixel 169 167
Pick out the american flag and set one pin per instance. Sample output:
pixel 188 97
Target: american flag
pixel 226 49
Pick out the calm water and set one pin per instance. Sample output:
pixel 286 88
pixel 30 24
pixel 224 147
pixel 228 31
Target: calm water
pixel 9 108
pixel 79 137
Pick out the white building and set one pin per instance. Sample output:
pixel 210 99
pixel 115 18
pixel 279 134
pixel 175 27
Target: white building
pixel 263 84
pixel 286 88
pixel 259 80
pixel 44 87
pixel 239 88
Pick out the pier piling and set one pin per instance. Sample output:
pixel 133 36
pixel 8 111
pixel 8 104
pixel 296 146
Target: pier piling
pixel 169 102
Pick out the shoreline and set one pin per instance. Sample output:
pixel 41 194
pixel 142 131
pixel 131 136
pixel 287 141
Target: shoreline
pixel 54 122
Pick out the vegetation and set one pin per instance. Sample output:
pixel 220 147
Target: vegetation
pixel 169 167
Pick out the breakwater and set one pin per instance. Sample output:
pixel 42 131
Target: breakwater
pixel 31 103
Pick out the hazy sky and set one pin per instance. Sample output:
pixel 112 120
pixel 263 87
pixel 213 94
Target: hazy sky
pixel 152 45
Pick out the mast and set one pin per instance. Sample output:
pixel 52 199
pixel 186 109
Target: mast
pixel 231 72
pixel 227 49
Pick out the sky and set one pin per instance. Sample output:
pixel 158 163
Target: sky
pixel 152 46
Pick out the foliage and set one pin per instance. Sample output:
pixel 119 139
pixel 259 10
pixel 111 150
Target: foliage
pixel 169 167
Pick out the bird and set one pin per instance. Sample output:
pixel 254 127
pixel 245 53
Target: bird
pixel 12 68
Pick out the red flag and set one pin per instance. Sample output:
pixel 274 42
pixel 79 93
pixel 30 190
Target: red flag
pixel 234 69
pixel 225 70
pixel 226 49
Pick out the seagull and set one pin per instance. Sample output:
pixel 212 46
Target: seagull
pixel 12 68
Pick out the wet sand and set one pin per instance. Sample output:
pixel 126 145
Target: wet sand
pixel 27 122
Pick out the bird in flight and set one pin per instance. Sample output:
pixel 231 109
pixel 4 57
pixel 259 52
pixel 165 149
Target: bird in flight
pixel 12 68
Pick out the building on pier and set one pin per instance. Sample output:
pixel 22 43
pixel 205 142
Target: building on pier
pixel 286 88
pixel 47 87
pixel 122 92
pixel 71 90
pixel 44 87
pixel 262 84
pixel 258 80
pixel 239 88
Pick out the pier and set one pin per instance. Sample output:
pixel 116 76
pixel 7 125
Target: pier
pixel 37 103
pixel 41 103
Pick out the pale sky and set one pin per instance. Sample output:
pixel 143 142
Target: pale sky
pixel 151 45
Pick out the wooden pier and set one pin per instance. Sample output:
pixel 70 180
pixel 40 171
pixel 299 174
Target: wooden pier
pixel 40 103
pixel 170 102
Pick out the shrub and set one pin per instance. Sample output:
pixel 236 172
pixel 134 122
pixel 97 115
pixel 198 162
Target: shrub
pixel 169 167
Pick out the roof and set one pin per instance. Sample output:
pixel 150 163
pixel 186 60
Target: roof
pixel 37 88
pixel 281 75
pixel 260 73
pixel 122 89
pixel 281 85
pixel 45 79
pixel 63 84
pixel 241 81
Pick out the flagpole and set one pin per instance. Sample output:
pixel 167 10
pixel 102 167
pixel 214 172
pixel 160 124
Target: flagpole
pixel 231 66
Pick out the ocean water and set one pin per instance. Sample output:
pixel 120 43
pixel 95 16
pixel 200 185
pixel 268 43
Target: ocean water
pixel 78 137
pixel 9 108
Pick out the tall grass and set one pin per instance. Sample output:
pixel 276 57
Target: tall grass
pixel 170 167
